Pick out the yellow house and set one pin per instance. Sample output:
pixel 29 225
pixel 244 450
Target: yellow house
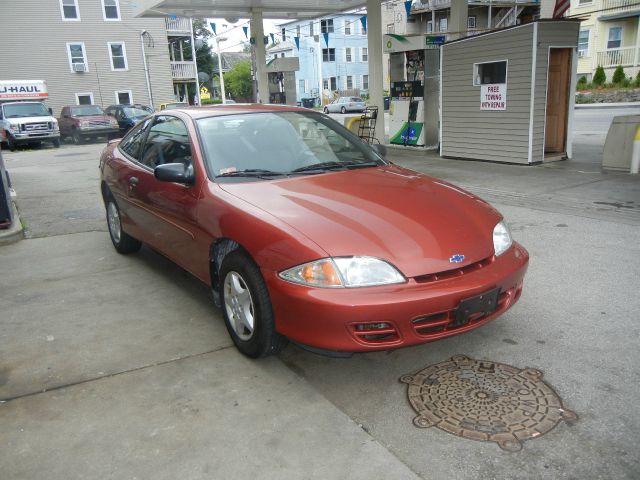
pixel 609 35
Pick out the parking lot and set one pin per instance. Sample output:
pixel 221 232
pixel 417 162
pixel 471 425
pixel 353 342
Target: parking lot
pixel 120 366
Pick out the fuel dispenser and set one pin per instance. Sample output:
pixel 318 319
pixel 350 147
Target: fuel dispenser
pixel 414 74
pixel 406 112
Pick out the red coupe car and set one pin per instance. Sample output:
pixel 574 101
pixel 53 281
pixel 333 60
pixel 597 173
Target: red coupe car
pixel 306 233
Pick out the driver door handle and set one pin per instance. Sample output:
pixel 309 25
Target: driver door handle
pixel 133 181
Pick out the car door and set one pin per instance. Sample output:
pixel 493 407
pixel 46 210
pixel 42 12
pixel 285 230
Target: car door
pixel 166 210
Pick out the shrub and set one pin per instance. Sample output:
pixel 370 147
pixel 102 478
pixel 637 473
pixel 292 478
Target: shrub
pixel 582 83
pixel 599 77
pixel 618 75
pixel 211 101
pixel 636 82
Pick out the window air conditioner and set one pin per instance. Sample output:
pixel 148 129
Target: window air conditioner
pixel 581 53
pixel 79 67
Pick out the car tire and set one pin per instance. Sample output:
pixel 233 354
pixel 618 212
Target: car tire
pixel 56 143
pixel 343 110
pixel 325 110
pixel 246 307
pixel 77 138
pixel 122 242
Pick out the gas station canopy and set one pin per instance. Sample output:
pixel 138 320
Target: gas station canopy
pixel 276 9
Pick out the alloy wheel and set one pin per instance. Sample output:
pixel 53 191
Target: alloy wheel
pixel 239 305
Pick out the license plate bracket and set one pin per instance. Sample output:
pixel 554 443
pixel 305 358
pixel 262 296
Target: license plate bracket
pixel 477 306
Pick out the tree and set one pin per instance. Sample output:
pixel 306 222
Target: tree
pixel 599 77
pixel 618 75
pixel 205 60
pixel 238 81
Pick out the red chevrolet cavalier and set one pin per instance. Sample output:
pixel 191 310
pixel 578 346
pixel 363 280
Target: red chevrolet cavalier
pixel 306 233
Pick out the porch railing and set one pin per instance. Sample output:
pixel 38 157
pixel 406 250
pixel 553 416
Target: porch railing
pixel 615 6
pixel 617 56
pixel 178 25
pixel 183 70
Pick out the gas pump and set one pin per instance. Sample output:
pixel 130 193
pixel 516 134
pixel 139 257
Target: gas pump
pixel 406 112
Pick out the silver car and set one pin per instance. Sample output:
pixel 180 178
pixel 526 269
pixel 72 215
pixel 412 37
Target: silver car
pixel 344 105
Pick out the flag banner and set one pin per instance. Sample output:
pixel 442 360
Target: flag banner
pixel 407 7
pixel 561 7
pixel 213 27
pixel 363 20
pixel 297 40
pixel 245 30
pixel 326 38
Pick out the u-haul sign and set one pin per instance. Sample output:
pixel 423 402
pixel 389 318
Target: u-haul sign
pixel 493 96
pixel 23 90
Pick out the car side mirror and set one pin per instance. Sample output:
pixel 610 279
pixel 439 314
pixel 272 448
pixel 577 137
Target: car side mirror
pixel 380 149
pixel 175 172
pixel 50 111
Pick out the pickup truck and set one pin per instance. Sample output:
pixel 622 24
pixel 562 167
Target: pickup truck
pixel 27 122
pixel 83 122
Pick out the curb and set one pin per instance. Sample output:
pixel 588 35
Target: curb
pixel 608 105
pixel 14 233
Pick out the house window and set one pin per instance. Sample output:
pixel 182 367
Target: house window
pixel 301 86
pixel 325 83
pixel 84 98
pixel 430 26
pixel 349 82
pixel 334 83
pixel 615 37
pixel 583 43
pixel 77 57
pixel 111 10
pixel 326 26
pixel 311 29
pixel 365 82
pixel 365 54
pixel 348 57
pixel 70 10
pixel 443 24
pixel 328 54
pixel 347 27
pixel 471 22
pixel 284 34
pixel 490 73
pixel 118 56
pixel 124 97
pixel 582 3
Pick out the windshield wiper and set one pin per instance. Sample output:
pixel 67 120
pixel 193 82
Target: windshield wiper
pixel 252 172
pixel 328 166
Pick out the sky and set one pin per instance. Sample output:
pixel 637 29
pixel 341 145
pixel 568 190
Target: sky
pixel 234 34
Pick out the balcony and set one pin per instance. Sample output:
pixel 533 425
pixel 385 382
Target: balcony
pixel 183 70
pixel 179 26
pixel 428 5
pixel 627 56
pixel 611 7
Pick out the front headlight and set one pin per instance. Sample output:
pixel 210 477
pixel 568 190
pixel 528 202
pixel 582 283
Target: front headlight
pixel 14 127
pixel 84 124
pixel 501 238
pixel 113 122
pixel 54 124
pixel 344 272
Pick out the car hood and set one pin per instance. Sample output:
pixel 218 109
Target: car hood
pixel 94 118
pixel 413 221
pixel 37 119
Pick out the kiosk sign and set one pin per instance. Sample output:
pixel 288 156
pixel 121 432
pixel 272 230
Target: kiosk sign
pixel 493 96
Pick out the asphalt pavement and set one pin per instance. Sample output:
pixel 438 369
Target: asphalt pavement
pixel 120 367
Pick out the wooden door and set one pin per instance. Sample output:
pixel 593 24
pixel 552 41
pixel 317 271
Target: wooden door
pixel 557 100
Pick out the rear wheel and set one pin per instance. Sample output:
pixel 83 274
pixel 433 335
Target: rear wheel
pixel 122 242
pixel 246 307
pixel 343 110
pixel 325 110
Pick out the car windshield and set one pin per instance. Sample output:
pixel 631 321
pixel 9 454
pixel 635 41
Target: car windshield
pixel 171 106
pixel 135 112
pixel 270 144
pixel 355 99
pixel 86 111
pixel 16 110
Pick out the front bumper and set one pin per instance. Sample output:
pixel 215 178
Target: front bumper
pixel 414 312
pixel 98 131
pixel 25 137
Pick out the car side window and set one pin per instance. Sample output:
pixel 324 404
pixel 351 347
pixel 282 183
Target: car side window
pixel 131 143
pixel 167 142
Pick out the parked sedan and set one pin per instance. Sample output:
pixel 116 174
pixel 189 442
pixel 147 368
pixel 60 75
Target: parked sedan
pixel 304 232
pixel 345 104
pixel 82 122
pixel 128 115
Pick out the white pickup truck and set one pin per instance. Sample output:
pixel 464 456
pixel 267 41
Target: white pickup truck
pixel 24 119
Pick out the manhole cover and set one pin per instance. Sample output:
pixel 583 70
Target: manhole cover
pixel 485 400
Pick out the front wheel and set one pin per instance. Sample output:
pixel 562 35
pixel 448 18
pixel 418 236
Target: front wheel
pixel 56 143
pixel 343 110
pixel 77 138
pixel 325 110
pixel 246 307
pixel 122 242
pixel 11 142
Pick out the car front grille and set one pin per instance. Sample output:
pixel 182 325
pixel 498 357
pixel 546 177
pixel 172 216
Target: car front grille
pixel 98 123
pixel 35 127
pixel 456 272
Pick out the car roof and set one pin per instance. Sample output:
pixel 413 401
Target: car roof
pixel 234 108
